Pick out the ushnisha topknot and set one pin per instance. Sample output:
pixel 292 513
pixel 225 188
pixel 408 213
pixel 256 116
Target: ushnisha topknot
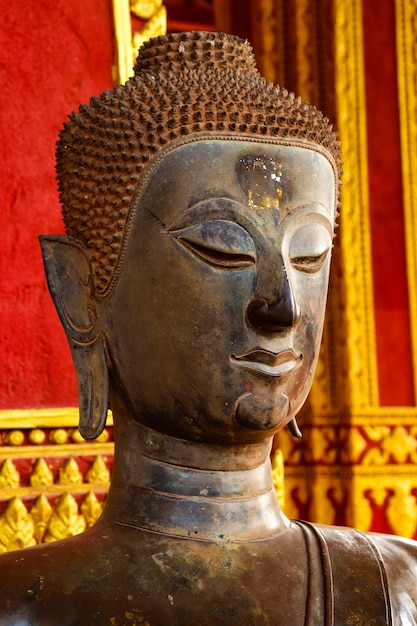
pixel 185 84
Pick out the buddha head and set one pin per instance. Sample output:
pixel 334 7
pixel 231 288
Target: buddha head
pixel 199 202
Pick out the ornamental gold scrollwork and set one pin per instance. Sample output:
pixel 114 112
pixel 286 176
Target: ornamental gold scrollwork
pixel 382 498
pixel 297 497
pixel 324 445
pixel 402 510
pixel 154 15
pixel 391 496
pixel 379 445
pixel 319 497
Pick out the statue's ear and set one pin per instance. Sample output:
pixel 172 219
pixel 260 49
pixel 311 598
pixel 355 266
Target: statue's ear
pixel 70 281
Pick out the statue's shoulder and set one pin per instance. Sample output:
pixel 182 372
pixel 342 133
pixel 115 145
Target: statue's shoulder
pixel 365 566
pixel 38 584
pixel 399 562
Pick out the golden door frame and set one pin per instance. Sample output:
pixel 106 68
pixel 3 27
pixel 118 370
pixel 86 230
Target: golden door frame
pixel 358 461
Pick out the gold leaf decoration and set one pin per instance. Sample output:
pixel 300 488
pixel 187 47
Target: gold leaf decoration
pixel 65 520
pixel 363 511
pixel 42 475
pixel 37 436
pixel 41 514
pixel 378 495
pixel 70 474
pixel 15 438
pixel 9 476
pixel 127 42
pixel 155 26
pixel 103 437
pixel 58 436
pixel 16 527
pixel 91 509
pixel 76 436
pixel 402 512
pixel 98 472
pixel 145 9
pixel 399 444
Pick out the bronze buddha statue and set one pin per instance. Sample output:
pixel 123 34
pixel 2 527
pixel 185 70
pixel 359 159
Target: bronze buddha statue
pixel 200 203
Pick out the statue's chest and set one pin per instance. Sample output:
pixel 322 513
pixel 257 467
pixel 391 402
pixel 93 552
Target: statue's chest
pixel 198 583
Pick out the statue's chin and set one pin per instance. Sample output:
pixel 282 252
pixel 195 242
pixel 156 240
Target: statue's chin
pixel 263 410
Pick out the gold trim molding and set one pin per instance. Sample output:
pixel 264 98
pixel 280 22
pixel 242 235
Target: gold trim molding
pixel 406 36
pixel 42 418
pixel 356 317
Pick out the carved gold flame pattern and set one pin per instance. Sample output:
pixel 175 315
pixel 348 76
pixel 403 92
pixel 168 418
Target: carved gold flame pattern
pixel 21 528
pixel 52 483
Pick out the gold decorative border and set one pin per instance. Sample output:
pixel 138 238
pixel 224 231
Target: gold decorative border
pixel 406 36
pixel 42 418
pixel 48 430
pixel 357 469
pixel 357 330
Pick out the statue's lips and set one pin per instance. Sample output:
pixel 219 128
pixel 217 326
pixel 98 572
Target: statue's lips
pixel 270 363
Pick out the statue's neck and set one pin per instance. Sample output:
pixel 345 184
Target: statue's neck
pixel 193 490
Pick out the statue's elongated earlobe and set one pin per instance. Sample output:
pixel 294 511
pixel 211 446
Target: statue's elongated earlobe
pixel 70 281
pixel 294 428
pixel 93 385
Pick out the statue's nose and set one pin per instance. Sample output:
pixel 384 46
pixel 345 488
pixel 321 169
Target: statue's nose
pixel 279 314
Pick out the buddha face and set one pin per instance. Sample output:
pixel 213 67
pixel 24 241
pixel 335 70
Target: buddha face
pixel 215 322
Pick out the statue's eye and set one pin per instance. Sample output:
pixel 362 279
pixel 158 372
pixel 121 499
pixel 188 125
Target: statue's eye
pixel 220 243
pixel 309 248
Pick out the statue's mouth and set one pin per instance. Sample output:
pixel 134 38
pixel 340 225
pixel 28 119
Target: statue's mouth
pixel 269 363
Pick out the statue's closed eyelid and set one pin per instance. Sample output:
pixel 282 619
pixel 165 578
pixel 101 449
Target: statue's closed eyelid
pixel 309 247
pixel 219 243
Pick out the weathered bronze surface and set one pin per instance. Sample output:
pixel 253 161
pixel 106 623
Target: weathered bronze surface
pixel 200 204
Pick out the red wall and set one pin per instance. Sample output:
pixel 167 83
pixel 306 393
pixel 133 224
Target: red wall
pixel 54 54
pixel 392 322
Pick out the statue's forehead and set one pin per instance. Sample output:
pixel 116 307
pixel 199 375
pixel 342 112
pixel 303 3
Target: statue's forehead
pixel 256 173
